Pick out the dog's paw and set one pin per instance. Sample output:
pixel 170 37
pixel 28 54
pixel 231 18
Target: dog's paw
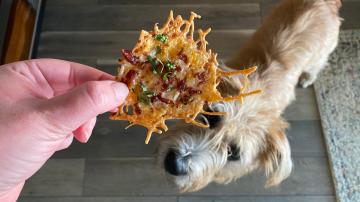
pixel 306 79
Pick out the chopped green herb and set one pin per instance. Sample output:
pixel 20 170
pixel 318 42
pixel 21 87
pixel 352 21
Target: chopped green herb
pixel 153 63
pixel 143 99
pixel 165 76
pixel 133 89
pixel 169 65
pixel 161 37
pixel 143 87
pixel 149 93
pixel 145 95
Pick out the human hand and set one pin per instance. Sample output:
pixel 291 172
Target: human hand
pixel 44 103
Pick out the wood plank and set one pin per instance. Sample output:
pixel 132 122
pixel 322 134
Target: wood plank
pixel 266 6
pixel 71 2
pixel 122 2
pixel 133 17
pixel 58 177
pixel 260 199
pixel 304 107
pixel 121 177
pixel 118 177
pixel 142 2
pixel 19 32
pixel 98 199
pixel 350 13
pixel 107 45
pixel 111 140
pixel 306 139
pixel 183 199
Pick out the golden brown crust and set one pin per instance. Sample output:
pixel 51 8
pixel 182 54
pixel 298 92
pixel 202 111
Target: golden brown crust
pixel 171 76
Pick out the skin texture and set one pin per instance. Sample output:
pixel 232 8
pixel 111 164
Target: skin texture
pixel 44 104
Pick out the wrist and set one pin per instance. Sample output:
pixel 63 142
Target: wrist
pixel 13 194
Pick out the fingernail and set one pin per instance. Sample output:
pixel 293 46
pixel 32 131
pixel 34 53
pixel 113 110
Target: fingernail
pixel 120 89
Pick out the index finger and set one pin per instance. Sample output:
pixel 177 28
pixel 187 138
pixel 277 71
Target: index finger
pixel 64 75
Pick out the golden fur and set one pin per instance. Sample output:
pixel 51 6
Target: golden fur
pixel 291 47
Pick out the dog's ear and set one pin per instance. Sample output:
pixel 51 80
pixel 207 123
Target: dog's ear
pixel 276 158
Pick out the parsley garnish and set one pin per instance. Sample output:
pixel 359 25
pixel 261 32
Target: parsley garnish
pixel 143 87
pixel 143 99
pixel 165 76
pixel 154 63
pixel 169 65
pixel 145 95
pixel 161 37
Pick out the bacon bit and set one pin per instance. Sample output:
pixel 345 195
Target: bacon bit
pixel 183 57
pixel 178 68
pixel 185 99
pixel 129 77
pixel 137 109
pixel 129 56
pixel 202 77
pixel 192 91
pixel 165 86
pixel 164 100
pixel 154 99
pixel 181 85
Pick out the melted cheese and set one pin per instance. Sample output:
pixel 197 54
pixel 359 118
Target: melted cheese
pixel 159 92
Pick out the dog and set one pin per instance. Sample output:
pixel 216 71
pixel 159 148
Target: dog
pixel 291 47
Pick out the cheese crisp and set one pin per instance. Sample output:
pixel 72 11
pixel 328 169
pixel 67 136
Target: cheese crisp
pixel 171 76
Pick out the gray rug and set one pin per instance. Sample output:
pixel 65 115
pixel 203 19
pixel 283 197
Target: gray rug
pixel 338 95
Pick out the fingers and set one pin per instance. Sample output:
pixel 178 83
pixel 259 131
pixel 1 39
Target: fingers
pixel 66 142
pixel 114 110
pixel 82 134
pixel 64 75
pixel 13 194
pixel 70 110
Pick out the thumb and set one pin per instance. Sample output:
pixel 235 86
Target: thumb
pixel 68 111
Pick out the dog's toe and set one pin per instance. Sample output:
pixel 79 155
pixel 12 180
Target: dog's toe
pixel 306 80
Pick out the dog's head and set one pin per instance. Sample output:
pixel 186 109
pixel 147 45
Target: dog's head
pixel 249 137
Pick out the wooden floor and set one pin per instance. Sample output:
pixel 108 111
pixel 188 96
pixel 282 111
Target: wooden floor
pixel 115 165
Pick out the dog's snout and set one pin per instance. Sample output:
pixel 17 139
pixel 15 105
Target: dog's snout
pixel 175 163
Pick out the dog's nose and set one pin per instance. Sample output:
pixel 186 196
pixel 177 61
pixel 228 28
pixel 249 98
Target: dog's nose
pixel 176 164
